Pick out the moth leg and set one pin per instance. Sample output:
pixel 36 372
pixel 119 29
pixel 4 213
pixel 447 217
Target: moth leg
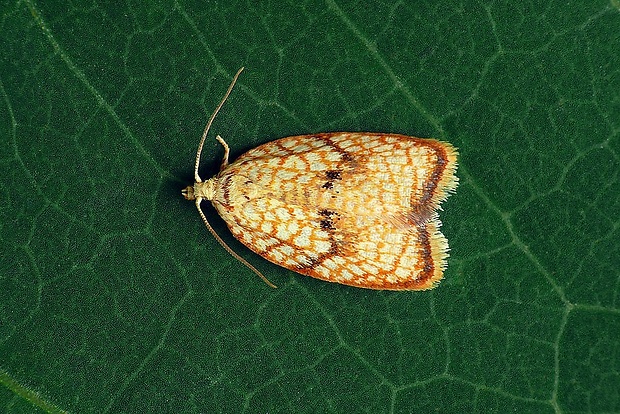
pixel 226 152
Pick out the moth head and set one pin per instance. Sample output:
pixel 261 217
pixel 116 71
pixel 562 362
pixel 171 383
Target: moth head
pixel 188 193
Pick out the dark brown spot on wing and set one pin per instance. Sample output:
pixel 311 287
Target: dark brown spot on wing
pixel 334 175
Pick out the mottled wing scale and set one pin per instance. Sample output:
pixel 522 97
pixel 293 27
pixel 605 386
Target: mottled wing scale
pixel 353 208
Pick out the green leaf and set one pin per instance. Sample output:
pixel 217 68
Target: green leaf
pixel 114 298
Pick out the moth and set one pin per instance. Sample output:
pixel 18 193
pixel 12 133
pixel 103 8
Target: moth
pixel 356 208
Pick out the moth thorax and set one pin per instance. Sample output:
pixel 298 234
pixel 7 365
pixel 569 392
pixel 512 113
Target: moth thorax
pixel 206 189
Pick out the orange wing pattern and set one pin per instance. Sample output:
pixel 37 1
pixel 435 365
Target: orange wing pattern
pixel 352 208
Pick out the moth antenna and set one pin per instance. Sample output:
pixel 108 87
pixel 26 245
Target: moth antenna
pixel 206 131
pixel 228 249
pixel 197 179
